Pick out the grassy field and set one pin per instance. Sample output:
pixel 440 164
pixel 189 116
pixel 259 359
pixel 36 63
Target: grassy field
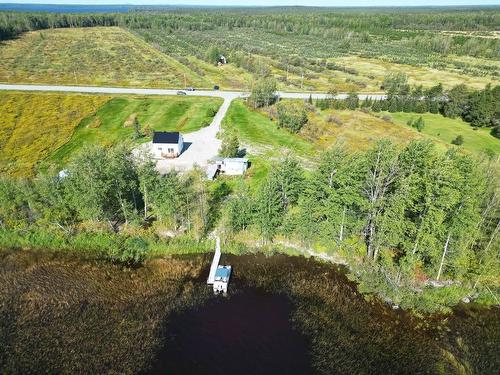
pixel 256 131
pixel 114 125
pixel 447 129
pixel 157 58
pixel 371 71
pixel 358 130
pixel 33 125
pixel 91 56
pixel 62 124
pixel 299 61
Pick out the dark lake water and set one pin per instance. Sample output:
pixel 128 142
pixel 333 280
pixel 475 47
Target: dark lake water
pixel 283 315
pixel 246 333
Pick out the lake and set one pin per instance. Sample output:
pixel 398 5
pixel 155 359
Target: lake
pixel 283 315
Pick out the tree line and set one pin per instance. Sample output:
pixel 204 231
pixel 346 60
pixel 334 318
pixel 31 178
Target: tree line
pixel 406 218
pixel 480 108
pixel 350 27
pixel 13 24
pixel 111 192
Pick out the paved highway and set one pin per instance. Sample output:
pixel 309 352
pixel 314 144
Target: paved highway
pixel 230 95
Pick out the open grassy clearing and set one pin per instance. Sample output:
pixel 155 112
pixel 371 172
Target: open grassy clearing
pixel 63 123
pixel 34 125
pixel 112 122
pixel 476 140
pixel 91 56
pixel 227 76
pixel 255 129
pixel 358 130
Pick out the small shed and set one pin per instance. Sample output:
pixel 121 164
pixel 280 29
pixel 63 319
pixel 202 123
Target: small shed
pixel 167 144
pixel 232 166
pixel 221 281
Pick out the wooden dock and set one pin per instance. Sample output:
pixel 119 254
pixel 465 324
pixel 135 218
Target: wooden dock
pixel 215 263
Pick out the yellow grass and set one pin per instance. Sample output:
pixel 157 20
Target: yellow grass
pixel 226 76
pixel 33 125
pixel 374 70
pixel 358 130
pixel 91 56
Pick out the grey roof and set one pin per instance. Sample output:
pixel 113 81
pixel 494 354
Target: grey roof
pixel 166 137
pixel 238 160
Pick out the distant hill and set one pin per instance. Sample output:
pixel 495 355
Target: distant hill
pixel 60 8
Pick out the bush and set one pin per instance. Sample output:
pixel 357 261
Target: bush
pixel 211 111
pixel 418 124
pixel 292 116
pixel 230 145
pixel 334 119
pixel 387 118
pixel 458 140
pixel 133 251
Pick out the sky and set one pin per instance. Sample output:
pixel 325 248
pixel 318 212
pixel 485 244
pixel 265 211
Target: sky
pixel 398 3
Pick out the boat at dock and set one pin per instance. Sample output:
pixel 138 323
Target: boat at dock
pixel 219 275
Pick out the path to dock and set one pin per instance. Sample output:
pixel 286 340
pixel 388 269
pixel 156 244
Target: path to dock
pixel 215 262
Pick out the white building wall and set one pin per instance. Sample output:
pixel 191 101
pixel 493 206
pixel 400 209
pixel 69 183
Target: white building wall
pixel 234 167
pixel 161 150
pixel 220 286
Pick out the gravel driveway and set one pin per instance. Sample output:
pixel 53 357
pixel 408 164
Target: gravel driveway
pixel 199 146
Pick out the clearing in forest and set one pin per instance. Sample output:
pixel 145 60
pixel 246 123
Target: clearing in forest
pixel 357 129
pixel 36 127
pixel 476 140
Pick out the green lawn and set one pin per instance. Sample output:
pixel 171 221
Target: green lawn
pixel 257 130
pixel 447 129
pixel 263 140
pixel 109 123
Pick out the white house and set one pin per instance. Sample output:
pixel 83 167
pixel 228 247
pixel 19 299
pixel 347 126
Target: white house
pixel 231 166
pixel 167 144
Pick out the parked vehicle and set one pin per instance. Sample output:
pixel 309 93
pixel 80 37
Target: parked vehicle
pixel 181 92
pixel 190 89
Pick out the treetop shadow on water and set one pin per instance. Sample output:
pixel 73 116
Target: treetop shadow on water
pixel 247 332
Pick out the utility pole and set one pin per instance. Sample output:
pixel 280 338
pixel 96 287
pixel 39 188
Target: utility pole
pixel 302 82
